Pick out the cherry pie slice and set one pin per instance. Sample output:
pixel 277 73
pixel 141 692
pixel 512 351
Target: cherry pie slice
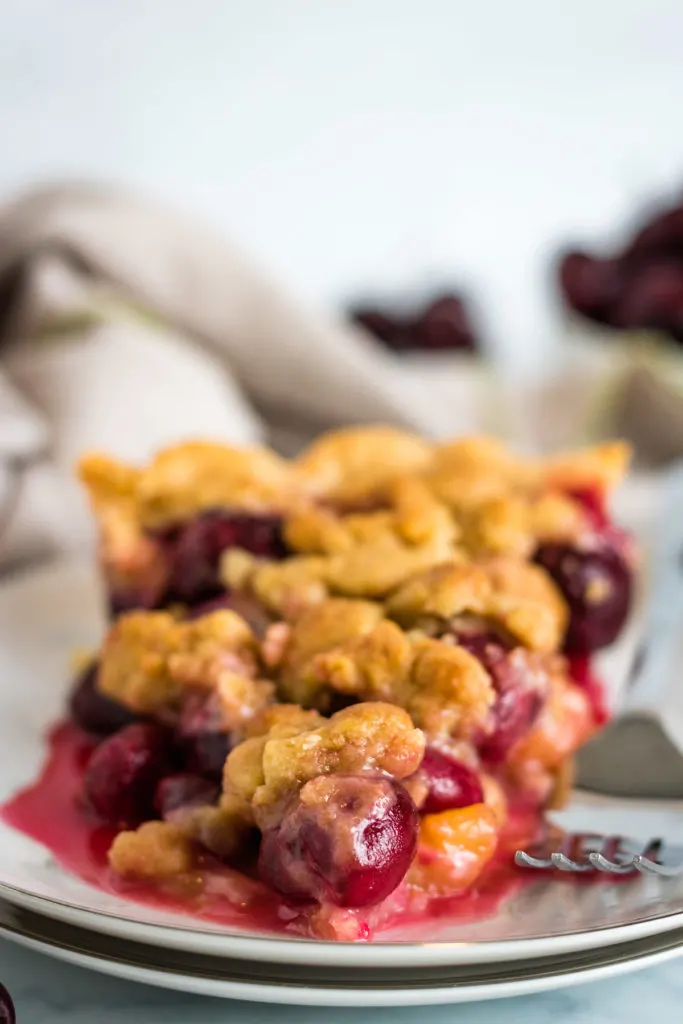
pixel 338 691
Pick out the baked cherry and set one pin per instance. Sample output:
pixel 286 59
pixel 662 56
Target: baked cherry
pixel 487 645
pixel 123 773
pixel 520 688
pixel 590 285
pixel 661 235
pixel 443 325
pixel 597 585
pixel 7 1011
pixel 514 712
pixel 383 326
pixel 207 752
pixel 128 599
pixel 347 839
pixel 654 298
pixel 451 783
pixel 194 549
pixel 94 712
pixel 183 791
pixel 203 740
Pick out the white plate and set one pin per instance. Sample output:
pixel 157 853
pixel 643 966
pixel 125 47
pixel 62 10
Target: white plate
pixel 299 985
pixel 46 614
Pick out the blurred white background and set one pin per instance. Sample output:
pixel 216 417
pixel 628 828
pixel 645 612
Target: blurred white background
pixel 361 144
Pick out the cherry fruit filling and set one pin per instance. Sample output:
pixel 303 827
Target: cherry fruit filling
pixel 204 743
pixel 442 325
pixel 590 285
pixel 348 840
pixel 450 783
pixel 182 792
pixel 640 286
pixel 386 328
pixel 123 774
pixel 92 711
pixel 194 550
pixel 520 689
pixel 128 599
pixel 597 586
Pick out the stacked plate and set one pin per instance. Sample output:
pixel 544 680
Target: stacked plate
pixel 549 934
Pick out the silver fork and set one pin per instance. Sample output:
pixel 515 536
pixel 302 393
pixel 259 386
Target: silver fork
pixel 614 855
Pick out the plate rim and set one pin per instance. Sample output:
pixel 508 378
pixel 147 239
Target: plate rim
pixel 295 950
pixel 307 993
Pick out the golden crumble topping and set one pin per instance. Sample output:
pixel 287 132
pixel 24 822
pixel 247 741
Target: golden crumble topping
pixel 603 466
pixel 267 770
pixel 347 647
pixel 357 463
pixel 130 559
pixel 445 689
pixel 284 588
pixel 371 562
pixel 363 508
pixel 189 478
pixel 149 659
pixel 517 595
pixel 320 628
pixel 224 829
pixel 157 849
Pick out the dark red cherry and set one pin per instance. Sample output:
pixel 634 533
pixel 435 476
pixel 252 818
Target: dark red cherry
pixel 347 839
pixel 7 1011
pixel 597 585
pixel 514 712
pixel 451 783
pixel 653 298
pixel 383 326
pixel 183 791
pixel 123 773
pixel 487 645
pixel 590 285
pixel 94 712
pixel 207 752
pixel 194 549
pixel 661 235
pixel 521 688
pixel 128 599
pixel 203 741
pixel 443 325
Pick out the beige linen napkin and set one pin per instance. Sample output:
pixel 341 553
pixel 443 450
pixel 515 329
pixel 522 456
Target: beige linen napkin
pixel 125 326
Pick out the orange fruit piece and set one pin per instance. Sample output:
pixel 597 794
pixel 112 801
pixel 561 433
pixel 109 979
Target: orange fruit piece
pixel 453 848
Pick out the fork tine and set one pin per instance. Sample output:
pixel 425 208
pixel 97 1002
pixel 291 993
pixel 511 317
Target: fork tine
pixel 651 867
pixel 614 857
pixel 657 859
pixel 564 863
pixel 611 867
pixel 525 860
pixel 573 854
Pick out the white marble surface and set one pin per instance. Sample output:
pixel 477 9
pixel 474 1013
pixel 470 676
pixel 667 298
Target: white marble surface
pixel 46 991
